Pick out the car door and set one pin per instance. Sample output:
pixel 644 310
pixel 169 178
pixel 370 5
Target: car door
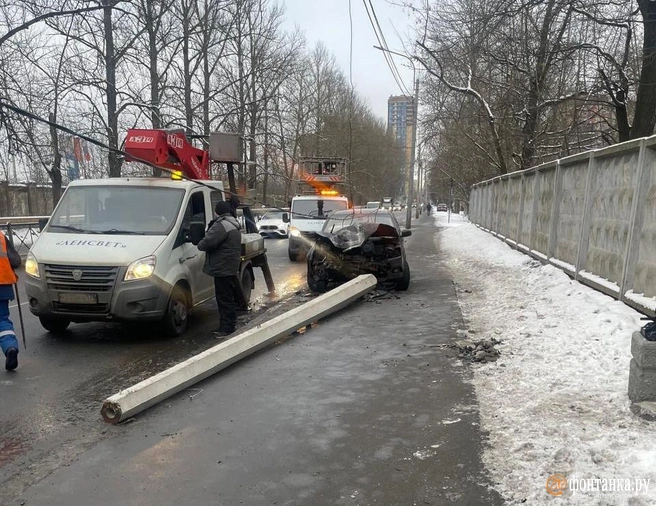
pixel 191 259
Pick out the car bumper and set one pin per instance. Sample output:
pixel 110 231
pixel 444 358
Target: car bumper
pixel 139 300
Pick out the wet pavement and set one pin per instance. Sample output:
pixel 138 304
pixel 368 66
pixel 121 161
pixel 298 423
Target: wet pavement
pixel 370 406
pixel 49 407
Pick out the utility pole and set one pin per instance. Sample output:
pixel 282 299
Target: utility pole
pixel 419 182
pixel 450 199
pixel 411 174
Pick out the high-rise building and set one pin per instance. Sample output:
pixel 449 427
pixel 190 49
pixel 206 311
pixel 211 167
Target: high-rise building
pixel 400 122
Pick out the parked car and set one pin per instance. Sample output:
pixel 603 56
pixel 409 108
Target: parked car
pixel 442 207
pixel 359 241
pixel 372 205
pixel 272 224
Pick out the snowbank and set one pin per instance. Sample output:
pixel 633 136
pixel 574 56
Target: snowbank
pixel 556 400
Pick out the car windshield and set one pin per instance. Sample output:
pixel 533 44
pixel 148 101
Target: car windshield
pixel 340 221
pixel 272 215
pixel 117 210
pixel 313 209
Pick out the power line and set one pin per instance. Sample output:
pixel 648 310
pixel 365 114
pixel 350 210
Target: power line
pixel 388 58
pixel 382 36
pixel 350 44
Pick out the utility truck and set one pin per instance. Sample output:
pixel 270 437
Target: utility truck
pixel 321 185
pixel 124 249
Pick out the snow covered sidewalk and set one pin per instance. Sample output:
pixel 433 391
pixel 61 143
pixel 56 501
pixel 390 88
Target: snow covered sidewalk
pixel 555 402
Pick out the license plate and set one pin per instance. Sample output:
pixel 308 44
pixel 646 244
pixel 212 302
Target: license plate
pixel 78 298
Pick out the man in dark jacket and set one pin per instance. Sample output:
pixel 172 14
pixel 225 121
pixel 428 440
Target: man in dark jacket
pixel 9 260
pixel 222 246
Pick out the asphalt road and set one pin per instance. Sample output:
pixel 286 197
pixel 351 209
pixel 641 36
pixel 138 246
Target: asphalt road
pixel 49 407
pixel 372 406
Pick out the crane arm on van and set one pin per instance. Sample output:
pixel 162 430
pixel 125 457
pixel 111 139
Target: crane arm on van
pixel 168 149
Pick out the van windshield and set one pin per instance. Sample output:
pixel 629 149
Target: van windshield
pixel 313 209
pixel 117 210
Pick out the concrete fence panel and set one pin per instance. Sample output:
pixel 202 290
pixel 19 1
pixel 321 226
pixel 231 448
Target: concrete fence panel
pixel 613 184
pixel 526 217
pixel 514 207
pixel 641 272
pixel 543 212
pixel 592 214
pixel 502 216
pixel 570 211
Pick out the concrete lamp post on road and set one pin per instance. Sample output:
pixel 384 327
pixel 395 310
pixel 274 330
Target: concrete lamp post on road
pixel 411 172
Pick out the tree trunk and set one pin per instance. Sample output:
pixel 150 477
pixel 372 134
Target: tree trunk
pixel 155 117
pixel 55 170
pixel 265 178
pixel 112 113
pixel 189 114
pixel 645 115
pixel 252 167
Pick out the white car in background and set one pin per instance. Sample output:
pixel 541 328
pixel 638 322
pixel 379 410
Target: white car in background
pixel 272 224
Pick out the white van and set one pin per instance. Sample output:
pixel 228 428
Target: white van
pixel 307 215
pixel 120 250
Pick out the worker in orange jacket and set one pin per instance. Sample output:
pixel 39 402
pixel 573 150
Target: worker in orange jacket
pixel 9 260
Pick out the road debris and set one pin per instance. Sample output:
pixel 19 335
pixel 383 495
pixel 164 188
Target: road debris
pixel 482 350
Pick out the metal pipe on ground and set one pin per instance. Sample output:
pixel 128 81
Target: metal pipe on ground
pixel 149 392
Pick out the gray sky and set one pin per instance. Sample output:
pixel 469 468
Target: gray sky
pixel 328 21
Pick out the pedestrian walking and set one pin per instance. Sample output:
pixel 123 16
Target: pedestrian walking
pixel 9 260
pixel 222 247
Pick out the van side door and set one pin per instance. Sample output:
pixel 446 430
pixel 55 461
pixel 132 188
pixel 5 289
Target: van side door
pixel 190 257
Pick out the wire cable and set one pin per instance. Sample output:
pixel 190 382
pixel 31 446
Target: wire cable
pixel 386 54
pixel 102 145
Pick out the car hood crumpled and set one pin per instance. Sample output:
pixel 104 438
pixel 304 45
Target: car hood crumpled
pixel 356 234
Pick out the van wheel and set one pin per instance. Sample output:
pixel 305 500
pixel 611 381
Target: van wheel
pixel 54 325
pixel 247 284
pixel 404 283
pixel 175 320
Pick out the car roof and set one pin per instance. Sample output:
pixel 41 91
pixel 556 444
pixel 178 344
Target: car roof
pixel 157 182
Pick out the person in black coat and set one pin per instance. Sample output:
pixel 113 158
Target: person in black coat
pixel 222 247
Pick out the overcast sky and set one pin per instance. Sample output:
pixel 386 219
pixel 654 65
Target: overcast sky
pixel 328 21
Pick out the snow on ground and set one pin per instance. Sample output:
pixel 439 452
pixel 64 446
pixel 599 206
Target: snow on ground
pixel 555 402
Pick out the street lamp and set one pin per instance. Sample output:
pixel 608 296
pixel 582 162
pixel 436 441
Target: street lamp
pixel 411 175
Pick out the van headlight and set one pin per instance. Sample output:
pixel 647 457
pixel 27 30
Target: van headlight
pixel 294 231
pixel 32 266
pixel 141 269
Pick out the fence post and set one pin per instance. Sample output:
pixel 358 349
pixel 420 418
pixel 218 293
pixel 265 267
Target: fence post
pixel 537 188
pixel 642 184
pixel 584 236
pixel 555 211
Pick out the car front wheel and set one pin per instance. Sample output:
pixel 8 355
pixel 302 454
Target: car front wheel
pixel 54 325
pixel 177 313
pixel 404 283
pixel 315 282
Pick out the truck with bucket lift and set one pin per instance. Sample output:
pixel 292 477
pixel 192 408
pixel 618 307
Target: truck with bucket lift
pixel 124 249
pixel 321 183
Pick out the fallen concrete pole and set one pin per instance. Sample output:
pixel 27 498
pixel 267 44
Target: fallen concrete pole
pixel 149 392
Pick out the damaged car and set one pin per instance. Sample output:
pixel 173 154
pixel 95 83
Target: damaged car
pixel 359 241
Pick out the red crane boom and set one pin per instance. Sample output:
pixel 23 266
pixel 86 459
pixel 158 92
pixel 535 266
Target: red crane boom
pixel 169 149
